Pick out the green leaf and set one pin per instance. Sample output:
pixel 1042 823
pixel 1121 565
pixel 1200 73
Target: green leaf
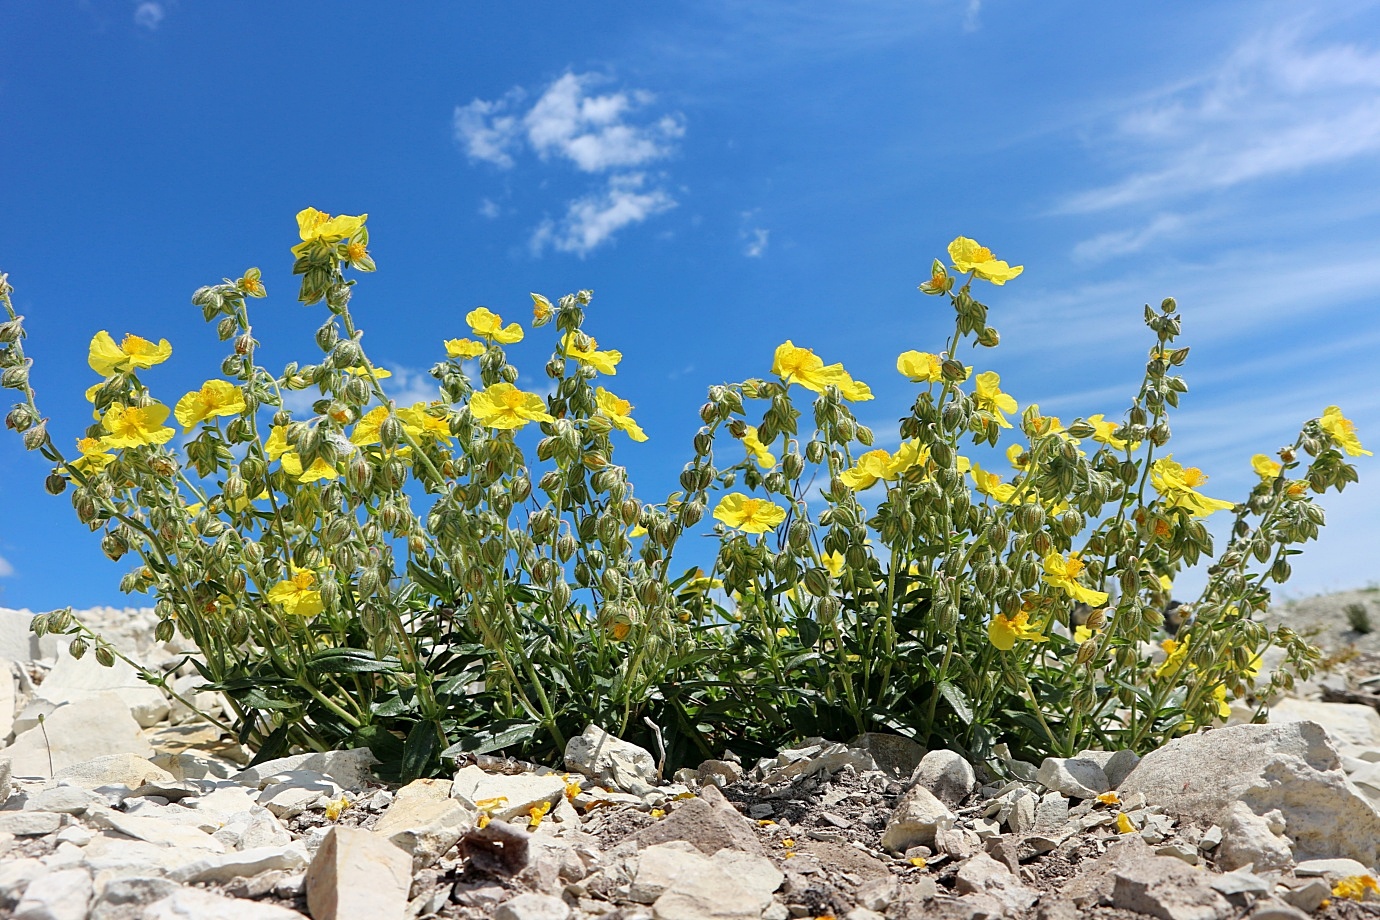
pixel 955 697
pixel 256 699
pixel 808 630
pixel 349 661
pixel 497 735
pixel 419 751
pixel 385 745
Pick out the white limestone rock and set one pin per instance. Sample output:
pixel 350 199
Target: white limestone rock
pixel 73 679
pixel 532 906
pixel 61 895
pixel 160 831
pixel 358 875
pixel 945 774
pixel 1346 723
pixel 520 793
pixel 610 761
pixel 730 885
pixel 30 823
pixel 84 729
pixel 127 898
pixel 294 792
pixel 187 903
pixel 127 769
pixel 918 815
pixel 347 769
pixel 658 867
pixel 223 867
pixel 1254 840
pixel 1073 777
pixel 981 874
pixel 425 821
pixel 1291 767
pixel 17 641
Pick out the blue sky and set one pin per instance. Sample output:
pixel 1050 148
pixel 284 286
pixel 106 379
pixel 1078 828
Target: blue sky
pixel 724 176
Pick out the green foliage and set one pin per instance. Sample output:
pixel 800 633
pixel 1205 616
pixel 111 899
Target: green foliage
pixel 406 578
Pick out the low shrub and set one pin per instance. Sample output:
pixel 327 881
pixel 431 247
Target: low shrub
pixel 477 573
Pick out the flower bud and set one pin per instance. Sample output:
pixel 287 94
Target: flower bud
pixel 346 353
pixel 1029 518
pixel 20 418
pixel 988 337
pixel 566 547
pixel 15 378
pixel 703 443
pixel 692 512
pixel 328 335
pixel 814 451
pixel 36 436
pixel 11 330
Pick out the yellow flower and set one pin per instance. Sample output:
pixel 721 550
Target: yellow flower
pixel 542 310
pixel 920 366
pixel 990 398
pixel 133 353
pixel 336 808
pixel 421 424
pixel 215 398
pixel 1018 456
pixel 1109 798
pixel 251 284
pixel 1219 696
pixel 853 390
pixel 297 595
pixel 968 256
pixel 1265 468
pixel 319 227
pixel 1042 425
pixel 803 366
pixel 1175 653
pixel 867 470
pixel 750 515
pixel 833 562
pixel 908 456
pixel 506 407
pixel 940 282
pixel 378 372
pixel 1061 572
pixel 1103 433
pixel 605 362
pixel 1177 485
pixel 1003 631
pixel 463 348
pixel 489 325
pixel 701 583
pixel 1354 887
pixel 991 484
pixel 94 457
pixel 319 469
pixel 133 426
pixel 1082 634
pixel 764 457
pixel 619 412
pixel 1124 825
pixel 535 814
pixel 277 443
pixel 1342 430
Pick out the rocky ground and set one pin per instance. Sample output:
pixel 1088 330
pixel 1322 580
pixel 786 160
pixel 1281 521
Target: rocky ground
pixel 118 805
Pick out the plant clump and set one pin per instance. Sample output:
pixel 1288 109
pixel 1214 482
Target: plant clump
pixel 476 572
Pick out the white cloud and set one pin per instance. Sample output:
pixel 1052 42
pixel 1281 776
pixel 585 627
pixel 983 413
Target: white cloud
pixel 1125 242
pixel 610 134
pixel 149 15
pixel 593 219
pixel 1276 106
pixel 407 386
pixel 756 245
pixel 6 570
pixel 971 11
pixel 485 133
pixel 591 131
pixel 594 133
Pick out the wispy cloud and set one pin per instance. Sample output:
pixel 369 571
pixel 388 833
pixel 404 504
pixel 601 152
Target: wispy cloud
pixel 1280 103
pixel 6 570
pixel 756 242
pixel 613 134
pixel 489 208
pixel 150 15
pixel 593 219
pixel 972 10
pixel 1125 242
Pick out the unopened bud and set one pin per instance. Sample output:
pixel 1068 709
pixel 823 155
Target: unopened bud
pixel 36 436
